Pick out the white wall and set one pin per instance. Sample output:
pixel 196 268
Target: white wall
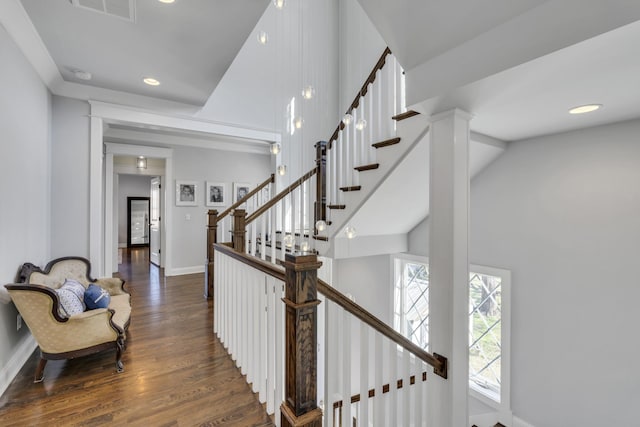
pixel 25 133
pixel 562 213
pixel 360 48
pixel 200 165
pixel 70 178
pixel 367 279
pixel 129 186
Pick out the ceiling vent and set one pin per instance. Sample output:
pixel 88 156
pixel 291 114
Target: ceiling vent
pixel 123 9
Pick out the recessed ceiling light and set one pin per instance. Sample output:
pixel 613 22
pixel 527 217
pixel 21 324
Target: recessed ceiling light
pixel 82 75
pixel 151 81
pixel 585 108
pixel 166 1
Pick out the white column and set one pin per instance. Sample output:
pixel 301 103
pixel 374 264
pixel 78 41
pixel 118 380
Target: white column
pixel 96 236
pixel 449 264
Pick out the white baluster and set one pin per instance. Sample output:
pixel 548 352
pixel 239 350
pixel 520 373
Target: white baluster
pixel 365 355
pixel 406 387
pixel 272 232
pixel 346 368
pixel 417 393
pixel 261 330
pixel 393 391
pixel 263 235
pixel 379 407
pixel 378 126
pixel 271 345
pixel 280 350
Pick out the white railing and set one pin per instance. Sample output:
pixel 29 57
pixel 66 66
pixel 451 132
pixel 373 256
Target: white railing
pixel 249 321
pixel 284 225
pixel 360 362
pixel 386 381
pixel 371 121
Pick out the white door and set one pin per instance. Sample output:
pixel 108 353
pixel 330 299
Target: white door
pixel 154 224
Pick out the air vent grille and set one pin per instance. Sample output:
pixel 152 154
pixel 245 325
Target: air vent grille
pixel 124 9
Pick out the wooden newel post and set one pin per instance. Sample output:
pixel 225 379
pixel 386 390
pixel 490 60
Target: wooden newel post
pixel 299 408
pixel 320 210
pixel 212 239
pixel 239 229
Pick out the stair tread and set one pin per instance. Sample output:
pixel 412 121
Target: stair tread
pixel 386 143
pixel 336 206
pixel 405 115
pixel 322 238
pixel 367 167
pixel 351 188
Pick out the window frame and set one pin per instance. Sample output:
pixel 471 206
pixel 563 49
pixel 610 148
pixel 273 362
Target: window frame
pixel 475 391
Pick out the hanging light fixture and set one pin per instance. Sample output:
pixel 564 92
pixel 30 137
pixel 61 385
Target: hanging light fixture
pixel 288 241
pixel 141 162
pixel 275 148
pixel 304 246
pixel 263 37
pixel 362 123
pixel 350 232
pixel 347 119
pixel 279 4
pixel 321 225
pixel 282 170
pixel 308 92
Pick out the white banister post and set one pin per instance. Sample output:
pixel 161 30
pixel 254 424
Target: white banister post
pixel 449 265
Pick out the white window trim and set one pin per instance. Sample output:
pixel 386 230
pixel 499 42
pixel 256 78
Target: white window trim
pixel 504 405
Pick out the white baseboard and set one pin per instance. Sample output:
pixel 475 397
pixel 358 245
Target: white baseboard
pixel 517 422
pixel 20 356
pixel 185 270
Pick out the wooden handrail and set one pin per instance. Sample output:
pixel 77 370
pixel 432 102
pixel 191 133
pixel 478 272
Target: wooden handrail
pixel 250 194
pixel 273 270
pixel 438 362
pixel 362 92
pixel 262 209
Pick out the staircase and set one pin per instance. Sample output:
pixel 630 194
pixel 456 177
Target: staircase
pixel 270 310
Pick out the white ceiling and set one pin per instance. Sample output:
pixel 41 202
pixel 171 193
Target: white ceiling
pixel 187 45
pixel 517 65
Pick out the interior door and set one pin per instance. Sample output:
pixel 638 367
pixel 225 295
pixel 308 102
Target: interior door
pixel 154 223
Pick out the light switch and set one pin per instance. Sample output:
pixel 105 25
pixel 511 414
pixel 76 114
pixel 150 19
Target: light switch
pixel 187 217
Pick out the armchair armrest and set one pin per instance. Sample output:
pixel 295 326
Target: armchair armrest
pixel 113 285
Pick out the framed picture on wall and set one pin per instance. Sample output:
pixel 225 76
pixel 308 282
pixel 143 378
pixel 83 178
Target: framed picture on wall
pixel 240 189
pixel 216 194
pixel 186 193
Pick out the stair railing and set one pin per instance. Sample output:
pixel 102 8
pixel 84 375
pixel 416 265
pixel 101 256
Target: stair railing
pixel 368 120
pixel 266 317
pixel 220 224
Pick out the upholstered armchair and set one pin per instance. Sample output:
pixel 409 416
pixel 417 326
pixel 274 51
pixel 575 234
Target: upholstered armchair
pixel 62 333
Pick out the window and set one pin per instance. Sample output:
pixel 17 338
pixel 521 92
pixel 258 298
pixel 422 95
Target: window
pixel 489 320
pixel 411 311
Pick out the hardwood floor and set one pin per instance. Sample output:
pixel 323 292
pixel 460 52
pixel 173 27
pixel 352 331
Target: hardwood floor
pixel 176 371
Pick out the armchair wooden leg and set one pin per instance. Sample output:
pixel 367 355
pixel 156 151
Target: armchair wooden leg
pixel 119 349
pixel 39 375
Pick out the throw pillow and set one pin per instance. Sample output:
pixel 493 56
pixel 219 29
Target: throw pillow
pixel 96 297
pixel 71 296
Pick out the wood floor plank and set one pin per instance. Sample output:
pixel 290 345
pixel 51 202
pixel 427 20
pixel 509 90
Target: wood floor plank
pixel 176 371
